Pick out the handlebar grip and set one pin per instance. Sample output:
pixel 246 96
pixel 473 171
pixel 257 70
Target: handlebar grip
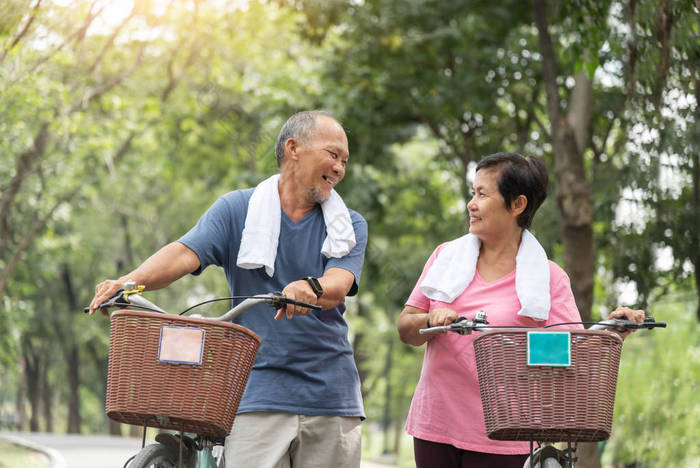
pixel 425 331
pixel 622 325
pixel 299 303
pixel 118 296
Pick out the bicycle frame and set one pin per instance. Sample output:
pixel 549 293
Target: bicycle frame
pixel 189 448
pixel 496 357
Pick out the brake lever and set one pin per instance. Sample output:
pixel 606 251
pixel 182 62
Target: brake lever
pixel 650 323
pixel 111 302
pixel 278 301
pixel 624 325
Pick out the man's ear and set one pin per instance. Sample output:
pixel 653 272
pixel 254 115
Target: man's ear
pixel 291 147
pixel 518 205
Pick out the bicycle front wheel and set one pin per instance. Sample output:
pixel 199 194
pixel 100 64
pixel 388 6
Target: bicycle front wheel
pixel 156 456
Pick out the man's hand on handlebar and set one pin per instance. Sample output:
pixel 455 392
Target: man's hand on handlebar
pixel 103 292
pixel 298 291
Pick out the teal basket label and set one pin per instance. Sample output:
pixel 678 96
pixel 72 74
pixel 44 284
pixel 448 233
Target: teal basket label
pixel 549 348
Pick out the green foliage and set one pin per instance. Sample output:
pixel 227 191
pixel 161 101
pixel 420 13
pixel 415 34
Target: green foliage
pixel 656 408
pixel 15 455
pixel 143 133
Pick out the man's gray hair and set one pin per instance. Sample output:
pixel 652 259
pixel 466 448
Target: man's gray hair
pixel 298 127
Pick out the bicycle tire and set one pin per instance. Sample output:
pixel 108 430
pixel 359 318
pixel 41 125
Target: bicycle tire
pixel 547 456
pixel 156 456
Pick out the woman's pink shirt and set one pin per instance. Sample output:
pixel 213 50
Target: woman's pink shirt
pixel 446 405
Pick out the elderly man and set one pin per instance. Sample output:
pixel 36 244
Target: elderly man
pixel 302 405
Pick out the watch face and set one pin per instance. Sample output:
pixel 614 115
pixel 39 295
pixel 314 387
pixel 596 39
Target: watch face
pixel 315 285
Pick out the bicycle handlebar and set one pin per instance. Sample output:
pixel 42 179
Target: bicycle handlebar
pixel 623 325
pixel 462 325
pixel 465 326
pixel 276 300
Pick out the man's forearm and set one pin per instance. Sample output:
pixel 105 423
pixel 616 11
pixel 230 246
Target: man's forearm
pixel 168 264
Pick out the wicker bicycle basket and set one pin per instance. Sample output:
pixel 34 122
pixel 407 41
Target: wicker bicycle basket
pixel 199 398
pixel 547 404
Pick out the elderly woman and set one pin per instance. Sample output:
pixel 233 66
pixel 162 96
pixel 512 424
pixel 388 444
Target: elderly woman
pixel 500 268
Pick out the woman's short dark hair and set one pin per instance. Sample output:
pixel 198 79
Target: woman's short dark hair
pixel 519 175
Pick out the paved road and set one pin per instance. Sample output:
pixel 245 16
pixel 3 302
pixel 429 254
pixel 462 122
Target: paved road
pixel 78 451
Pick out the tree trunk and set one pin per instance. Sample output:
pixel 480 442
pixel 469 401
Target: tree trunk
pixel 72 356
pixel 358 355
pixel 20 407
pixel 398 432
pixel 572 188
pixel 113 428
pixel 32 367
pixel 47 400
pixel 386 418
pixel 73 363
pixel 695 242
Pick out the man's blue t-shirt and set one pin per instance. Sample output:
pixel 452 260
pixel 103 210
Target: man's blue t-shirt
pixel 304 365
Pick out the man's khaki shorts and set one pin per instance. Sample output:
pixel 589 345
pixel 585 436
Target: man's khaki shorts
pixel 282 440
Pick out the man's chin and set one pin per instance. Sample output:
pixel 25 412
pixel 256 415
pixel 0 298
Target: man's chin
pixel 319 196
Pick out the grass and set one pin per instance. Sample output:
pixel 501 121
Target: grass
pixel 13 456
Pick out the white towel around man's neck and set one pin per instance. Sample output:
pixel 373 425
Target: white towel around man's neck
pixel 454 268
pixel 262 227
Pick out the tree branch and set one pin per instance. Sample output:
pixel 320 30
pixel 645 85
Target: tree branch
pixel 22 168
pixel 549 66
pixel 581 110
pixel 28 238
pixel 92 94
pixel 78 34
pixel 665 19
pixel 23 32
pixel 175 78
pixel 110 41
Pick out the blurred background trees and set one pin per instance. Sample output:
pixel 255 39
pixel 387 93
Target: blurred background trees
pixel 123 121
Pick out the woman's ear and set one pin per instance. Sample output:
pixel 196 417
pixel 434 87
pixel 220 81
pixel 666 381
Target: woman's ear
pixel 518 205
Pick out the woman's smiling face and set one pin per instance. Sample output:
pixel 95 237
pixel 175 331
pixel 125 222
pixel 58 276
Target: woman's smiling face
pixel 488 215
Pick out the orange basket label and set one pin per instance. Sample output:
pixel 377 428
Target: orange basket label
pixel 181 345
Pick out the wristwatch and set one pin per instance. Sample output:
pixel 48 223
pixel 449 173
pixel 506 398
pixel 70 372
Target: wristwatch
pixel 315 286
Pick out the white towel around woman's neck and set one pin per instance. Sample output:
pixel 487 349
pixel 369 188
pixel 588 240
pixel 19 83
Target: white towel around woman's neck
pixel 454 268
pixel 262 227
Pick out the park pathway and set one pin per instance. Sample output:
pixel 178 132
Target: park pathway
pixel 94 451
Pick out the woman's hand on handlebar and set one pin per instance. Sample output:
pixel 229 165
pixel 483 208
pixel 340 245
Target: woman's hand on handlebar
pixel 299 291
pixel 103 292
pixel 441 317
pixel 629 314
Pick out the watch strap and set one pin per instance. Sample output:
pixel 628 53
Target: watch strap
pixel 315 286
